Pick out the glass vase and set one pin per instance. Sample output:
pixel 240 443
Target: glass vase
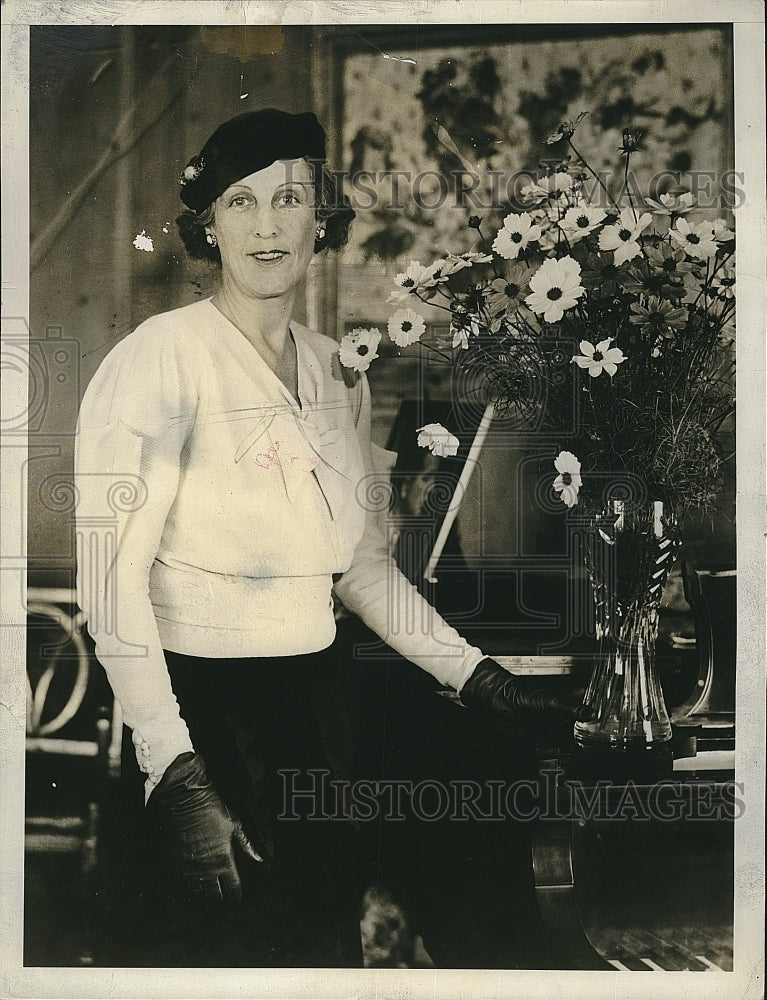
pixel 629 550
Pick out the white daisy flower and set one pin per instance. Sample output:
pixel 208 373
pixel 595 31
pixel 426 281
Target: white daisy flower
pixel 670 204
pixel 559 182
pixel 533 193
pixel 720 231
pixel 568 482
pixel 406 282
pixel 431 277
pixel 555 287
pixel 438 440
pixel 601 358
pixel 409 278
pixel 723 282
pixel 579 222
pixel 622 238
pixel 357 349
pixel 696 241
pixel 406 327
pixel 457 262
pixel 515 234
pixel 546 187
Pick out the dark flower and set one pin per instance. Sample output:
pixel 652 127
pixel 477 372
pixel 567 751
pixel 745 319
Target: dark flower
pixel 507 293
pixel 599 274
pixel 723 281
pixel 641 278
pixel 658 317
pixel 474 222
pixel 565 130
pixel 631 137
pixel 670 260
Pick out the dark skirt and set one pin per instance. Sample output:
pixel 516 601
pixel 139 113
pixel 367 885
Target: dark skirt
pixel 274 732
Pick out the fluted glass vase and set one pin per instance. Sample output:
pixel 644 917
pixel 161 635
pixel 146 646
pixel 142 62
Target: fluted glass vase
pixel 629 551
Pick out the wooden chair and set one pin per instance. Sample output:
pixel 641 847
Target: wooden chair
pixel 73 730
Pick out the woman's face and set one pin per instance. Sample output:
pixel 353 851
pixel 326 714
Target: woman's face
pixel 265 225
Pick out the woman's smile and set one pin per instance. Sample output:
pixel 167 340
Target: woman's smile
pixel 269 256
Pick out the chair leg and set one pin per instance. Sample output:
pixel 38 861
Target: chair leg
pixel 89 852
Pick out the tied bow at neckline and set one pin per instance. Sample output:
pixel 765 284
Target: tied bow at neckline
pixel 298 448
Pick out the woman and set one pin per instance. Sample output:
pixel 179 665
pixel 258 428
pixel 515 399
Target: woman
pixel 208 595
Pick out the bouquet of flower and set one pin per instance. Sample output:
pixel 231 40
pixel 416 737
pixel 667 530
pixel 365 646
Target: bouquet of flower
pixel 607 325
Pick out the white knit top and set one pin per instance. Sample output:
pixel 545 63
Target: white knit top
pixel 214 511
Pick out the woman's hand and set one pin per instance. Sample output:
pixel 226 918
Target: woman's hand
pixel 199 831
pixel 494 690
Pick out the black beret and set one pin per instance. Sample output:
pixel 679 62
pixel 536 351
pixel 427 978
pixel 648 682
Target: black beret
pixel 245 144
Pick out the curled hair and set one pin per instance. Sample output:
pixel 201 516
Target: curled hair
pixel 333 210
pixel 191 229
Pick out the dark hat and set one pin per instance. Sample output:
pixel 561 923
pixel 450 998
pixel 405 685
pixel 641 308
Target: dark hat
pixel 245 144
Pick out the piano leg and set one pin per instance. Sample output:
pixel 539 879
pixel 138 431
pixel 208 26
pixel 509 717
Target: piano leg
pixel 555 895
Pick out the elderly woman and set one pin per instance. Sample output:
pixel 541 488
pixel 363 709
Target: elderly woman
pixel 210 595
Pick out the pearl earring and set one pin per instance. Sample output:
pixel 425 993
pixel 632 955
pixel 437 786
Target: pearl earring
pixel 211 238
pixel 320 232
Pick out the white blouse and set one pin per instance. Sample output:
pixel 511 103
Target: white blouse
pixel 214 511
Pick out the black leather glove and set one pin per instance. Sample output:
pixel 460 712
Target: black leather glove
pixel 200 833
pixel 494 690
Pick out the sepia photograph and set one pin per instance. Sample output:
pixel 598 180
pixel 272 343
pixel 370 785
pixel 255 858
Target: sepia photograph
pixel 383 591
